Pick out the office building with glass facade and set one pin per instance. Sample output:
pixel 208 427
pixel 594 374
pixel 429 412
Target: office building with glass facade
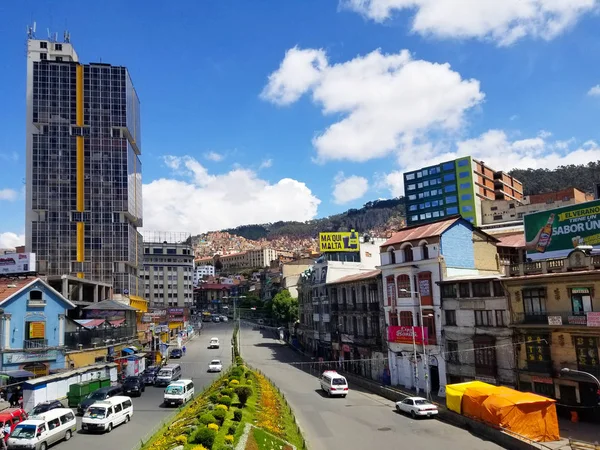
pixel 455 187
pixel 83 182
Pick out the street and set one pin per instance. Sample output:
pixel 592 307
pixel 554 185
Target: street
pixel 361 420
pixel 148 412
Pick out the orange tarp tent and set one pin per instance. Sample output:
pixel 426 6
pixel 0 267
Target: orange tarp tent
pixel 474 397
pixel 455 392
pixel 523 413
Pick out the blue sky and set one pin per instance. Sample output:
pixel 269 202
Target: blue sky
pixel 270 110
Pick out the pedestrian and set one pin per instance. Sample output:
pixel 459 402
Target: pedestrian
pixel 183 350
pixel 2 439
pixel 6 429
pixel 14 398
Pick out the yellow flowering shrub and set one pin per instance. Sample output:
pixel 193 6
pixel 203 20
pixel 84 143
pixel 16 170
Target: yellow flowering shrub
pixel 181 439
pixel 213 426
pixel 199 447
pixel 229 439
pixel 234 382
pixel 223 407
pixel 269 416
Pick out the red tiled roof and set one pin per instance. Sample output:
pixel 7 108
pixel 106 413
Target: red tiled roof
pixel 10 286
pixel 357 277
pixel 420 231
pixel 516 240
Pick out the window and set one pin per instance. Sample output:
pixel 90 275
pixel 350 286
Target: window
pixel 466 197
pixel 59 58
pixel 43 56
pixel 436 214
pixel 581 301
pixel 448 290
pixel 462 163
pixel 422 216
pixel 450 188
pixel 43 45
pixel 463 174
pixel 420 195
pixel 450 317
pixel 538 350
pixel 498 289
pixel 449 177
pixel 408 254
pixel 426 194
pixel 451 199
pixel 485 355
pixel 411 187
pixel 118 408
pixel 406 318
pixel 35 296
pixel 425 183
pixel 403 286
pixel 410 176
pixel 412 208
pixel 428 215
pixel 393 319
pixel 419 185
pixel 427 204
pixel 429 323
pixel 534 301
pixel 452 352
pixel 484 318
pixel 58 47
pixel 425 251
pixel 412 197
pixel 419 174
pixel 434 170
pixel 467 208
pixel 414 218
pixel 499 318
pixel 434 203
pixel 452 210
pixel 448 166
pixel 157 251
pixel 481 289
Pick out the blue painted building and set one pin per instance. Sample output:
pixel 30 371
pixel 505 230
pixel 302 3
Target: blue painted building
pixel 32 327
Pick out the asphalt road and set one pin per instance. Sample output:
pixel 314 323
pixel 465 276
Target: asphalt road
pixel 148 412
pixel 360 421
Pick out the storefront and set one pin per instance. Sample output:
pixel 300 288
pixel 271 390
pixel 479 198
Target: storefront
pixel 177 318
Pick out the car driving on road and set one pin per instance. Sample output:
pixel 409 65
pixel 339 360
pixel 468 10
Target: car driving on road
pixel 45 406
pixel 214 343
pixel 215 366
pixel 417 407
pixel 149 375
pixel 176 353
pixel 133 386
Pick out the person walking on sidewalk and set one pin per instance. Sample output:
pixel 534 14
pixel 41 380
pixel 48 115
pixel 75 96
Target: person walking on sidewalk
pixel 183 349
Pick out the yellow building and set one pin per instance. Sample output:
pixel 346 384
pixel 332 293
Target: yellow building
pixel 556 318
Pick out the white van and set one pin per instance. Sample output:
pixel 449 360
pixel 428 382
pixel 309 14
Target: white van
pixel 179 392
pixel 333 383
pixel 107 414
pixel 214 343
pixel 168 374
pixel 42 430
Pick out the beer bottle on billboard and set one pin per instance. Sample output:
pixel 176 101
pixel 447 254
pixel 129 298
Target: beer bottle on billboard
pixel 545 235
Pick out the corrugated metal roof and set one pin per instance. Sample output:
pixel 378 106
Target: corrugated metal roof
pixel 112 305
pixel 516 240
pixel 90 323
pixel 357 277
pixel 420 231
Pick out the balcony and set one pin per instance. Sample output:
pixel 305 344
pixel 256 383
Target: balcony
pixel 98 337
pixel 325 317
pixel 35 344
pixel 316 317
pixel 551 319
pixel 486 371
pixel 554 265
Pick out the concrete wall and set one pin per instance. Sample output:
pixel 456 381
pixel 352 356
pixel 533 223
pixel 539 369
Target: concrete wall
pixel 457 246
pixel 485 254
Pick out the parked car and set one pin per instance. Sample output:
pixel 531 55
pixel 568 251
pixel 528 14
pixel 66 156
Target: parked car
pixel 134 386
pixel 215 366
pixel 216 319
pixel 417 407
pixel 149 375
pixel 99 395
pixel 224 319
pixel 176 353
pixel 45 406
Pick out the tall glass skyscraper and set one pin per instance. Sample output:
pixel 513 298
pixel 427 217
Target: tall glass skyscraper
pixel 84 184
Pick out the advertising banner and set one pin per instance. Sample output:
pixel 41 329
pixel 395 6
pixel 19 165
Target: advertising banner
pixel 555 233
pixel 342 241
pixel 37 330
pixel 17 263
pixel 404 335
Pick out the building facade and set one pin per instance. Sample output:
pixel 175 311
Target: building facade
pixel 413 263
pixel 32 328
pixel 203 270
pixel 455 187
pixel 212 297
pixel 356 310
pixel 83 172
pixel 555 318
pixel 477 337
pixel 168 270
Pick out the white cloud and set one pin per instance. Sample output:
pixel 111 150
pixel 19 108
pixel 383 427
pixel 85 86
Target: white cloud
pixel 266 164
pixel 198 201
pixel 11 240
pixel 594 91
pixel 8 194
pixel 214 156
pixel 384 99
pixel 347 189
pixel 503 21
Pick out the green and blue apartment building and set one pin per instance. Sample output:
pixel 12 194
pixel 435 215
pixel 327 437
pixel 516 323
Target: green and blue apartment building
pixel 455 187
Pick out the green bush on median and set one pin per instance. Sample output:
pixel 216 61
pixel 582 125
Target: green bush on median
pixel 243 393
pixel 207 418
pixel 205 436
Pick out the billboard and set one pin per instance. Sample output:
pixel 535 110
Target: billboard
pixel 404 335
pixel 17 263
pixel 556 232
pixel 342 241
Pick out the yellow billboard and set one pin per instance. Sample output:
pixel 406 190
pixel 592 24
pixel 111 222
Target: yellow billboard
pixel 342 241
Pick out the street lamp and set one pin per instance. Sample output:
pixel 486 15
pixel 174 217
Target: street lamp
pixel 425 362
pixel 567 371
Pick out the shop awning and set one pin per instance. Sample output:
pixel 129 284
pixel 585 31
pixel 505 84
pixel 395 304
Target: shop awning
pixel 17 374
pixel 134 348
pixel 117 323
pixel 128 350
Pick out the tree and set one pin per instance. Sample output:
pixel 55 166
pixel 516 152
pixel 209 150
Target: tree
pixel 218 263
pixel 284 307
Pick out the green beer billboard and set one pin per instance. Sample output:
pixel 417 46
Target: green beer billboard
pixel 556 232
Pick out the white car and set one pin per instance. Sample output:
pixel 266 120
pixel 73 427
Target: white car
pixel 417 407
pixel 215 366
pixel 214 343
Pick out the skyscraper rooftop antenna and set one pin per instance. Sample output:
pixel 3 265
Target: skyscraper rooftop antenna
pixel 31 31
pixel 67 36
